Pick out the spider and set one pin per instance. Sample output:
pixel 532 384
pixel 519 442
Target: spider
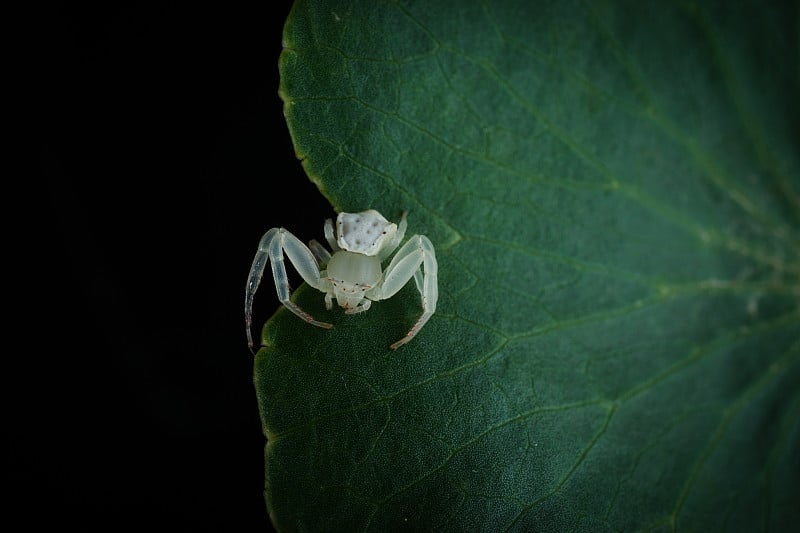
pixel 352 274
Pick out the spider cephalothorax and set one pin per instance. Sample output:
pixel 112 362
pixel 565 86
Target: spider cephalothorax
pixel 352 273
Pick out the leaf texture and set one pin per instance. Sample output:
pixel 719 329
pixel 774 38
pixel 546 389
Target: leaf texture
pixel 613 191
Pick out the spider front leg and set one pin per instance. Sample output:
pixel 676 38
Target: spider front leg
pixel 271 248
pixel 417 253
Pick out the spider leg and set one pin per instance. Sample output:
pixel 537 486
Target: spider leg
pixel 320 253
pixel 415 254
pixel 271 248
pixel 329 235
pixel 392 245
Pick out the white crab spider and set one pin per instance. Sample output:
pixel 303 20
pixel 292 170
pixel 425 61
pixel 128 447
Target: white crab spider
pixel 353 273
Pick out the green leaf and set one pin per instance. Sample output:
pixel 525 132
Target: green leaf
pixel 613 191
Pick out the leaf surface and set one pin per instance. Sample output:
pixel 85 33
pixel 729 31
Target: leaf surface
pixel 613 192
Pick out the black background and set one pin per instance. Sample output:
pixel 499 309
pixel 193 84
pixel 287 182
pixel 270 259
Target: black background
pixel 161 157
